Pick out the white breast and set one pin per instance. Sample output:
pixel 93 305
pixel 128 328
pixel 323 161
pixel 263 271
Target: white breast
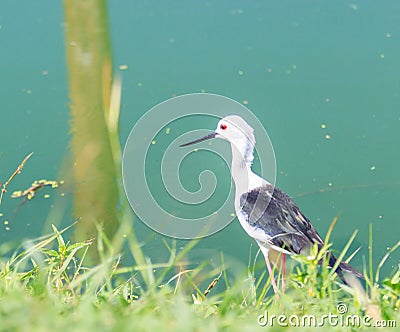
pixel 256 233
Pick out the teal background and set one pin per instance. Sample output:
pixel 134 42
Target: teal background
pixel 303 64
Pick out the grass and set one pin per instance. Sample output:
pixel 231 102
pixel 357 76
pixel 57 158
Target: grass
pixel 45 285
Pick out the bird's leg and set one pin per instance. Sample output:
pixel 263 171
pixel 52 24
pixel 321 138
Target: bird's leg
pixel 271 274
pixel 283 271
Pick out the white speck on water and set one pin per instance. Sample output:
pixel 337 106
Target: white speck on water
pixel 237 11
pixel 353 6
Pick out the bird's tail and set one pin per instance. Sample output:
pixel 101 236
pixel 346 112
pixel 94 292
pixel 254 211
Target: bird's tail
pixel 344 268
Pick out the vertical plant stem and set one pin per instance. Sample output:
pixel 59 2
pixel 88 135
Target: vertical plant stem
pixel 371 272
pixel 89 64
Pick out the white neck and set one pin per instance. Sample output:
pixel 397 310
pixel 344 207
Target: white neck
pixel 244 178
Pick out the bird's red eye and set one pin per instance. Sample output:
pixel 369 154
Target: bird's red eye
pixel 223 126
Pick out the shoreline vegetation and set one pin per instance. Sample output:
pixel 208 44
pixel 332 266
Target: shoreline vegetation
pixel 46 283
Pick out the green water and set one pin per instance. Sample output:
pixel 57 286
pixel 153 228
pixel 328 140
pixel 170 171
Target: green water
pixel 300 65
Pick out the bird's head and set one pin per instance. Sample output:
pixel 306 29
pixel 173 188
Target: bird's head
pixel 233 129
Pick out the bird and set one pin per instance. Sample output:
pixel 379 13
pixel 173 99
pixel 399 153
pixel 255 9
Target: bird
pixel 265 212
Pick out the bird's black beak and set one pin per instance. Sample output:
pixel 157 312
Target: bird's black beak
pixel 210 136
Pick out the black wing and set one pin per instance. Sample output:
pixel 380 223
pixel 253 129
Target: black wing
pixel 271 210
pixel 274 212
